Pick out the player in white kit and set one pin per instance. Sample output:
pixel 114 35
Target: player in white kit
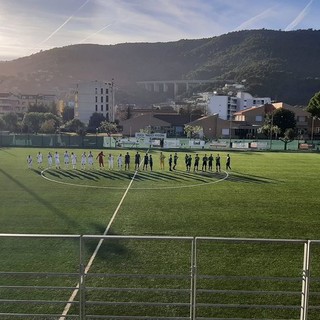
pixel 66 158
pixel 39 159
pixel 120 162
pixel 49 160
pixel 29 162
pixel 83 160
pixel 73 160
pixel 110 161
pixel 57 160
pixel 90 160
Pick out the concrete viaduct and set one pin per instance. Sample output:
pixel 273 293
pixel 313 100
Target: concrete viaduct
pixel 177 85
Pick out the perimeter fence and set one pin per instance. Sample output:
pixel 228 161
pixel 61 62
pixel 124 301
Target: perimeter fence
pixel 158 277
pixel 100 142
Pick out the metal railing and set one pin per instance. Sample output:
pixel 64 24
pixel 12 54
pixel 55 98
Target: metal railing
pixel 134 278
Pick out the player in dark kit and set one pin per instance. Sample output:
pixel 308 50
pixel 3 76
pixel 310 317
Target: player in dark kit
pixel 189 162
pixel 196 162
pixel 210 161
pixel 175 161
pixel 170 162
pixel 145 162
pixel 204 163
pixel 150 162
pixel 218 165
pixel 228 162
pixel 137 161
pixel 127 161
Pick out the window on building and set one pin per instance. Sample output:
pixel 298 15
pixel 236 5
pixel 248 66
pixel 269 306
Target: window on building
pixel 301 119
pixel 258 118
pixel 102 107
pixel 101 99
pixel 317 129
pixel 254 101
pixel 96 90
pixel 96 108
pixel 107 98
pixel 107 107
pixel 96 99
pixel 101 91
pixel 107 91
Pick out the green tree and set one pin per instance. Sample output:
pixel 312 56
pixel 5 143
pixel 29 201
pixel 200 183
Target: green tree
pixel 314 105
pixel 33 121
pixel 75 125
pixel 95 121
pixel 51 116
pixel 192 131
pixel 289 135
pixel 284 119
pixel 48 126
pixel 11 120
pixel 2 124
pixel 38 108
pixel 108 127
pixel 67 114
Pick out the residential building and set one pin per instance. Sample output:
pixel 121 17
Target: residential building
pixel 226 106
pixel 94 96
pixel 19 103
pixel 171 124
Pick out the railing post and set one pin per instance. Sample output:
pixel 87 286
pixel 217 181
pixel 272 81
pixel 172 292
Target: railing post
pixel 305 282
pixel 82 300
pixel 194 278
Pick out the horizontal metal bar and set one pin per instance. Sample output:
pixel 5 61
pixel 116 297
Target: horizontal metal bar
pixel 130 275
pixel 39 274
pixel 138 289
pixel 27 235
pixel 250 292
pixel 38 287
pixel 246 306
pixel 136 237
pixel 136 317
pixel 254 278
pixel 36 315
pixel 251 240
pixel 36 301
pixel 143 304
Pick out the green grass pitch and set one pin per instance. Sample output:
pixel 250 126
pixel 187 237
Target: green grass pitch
pixel 266 195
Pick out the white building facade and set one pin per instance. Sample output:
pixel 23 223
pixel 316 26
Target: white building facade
pixel 226 106
pixel 94 96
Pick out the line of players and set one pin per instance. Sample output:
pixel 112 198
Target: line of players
pixel 88 159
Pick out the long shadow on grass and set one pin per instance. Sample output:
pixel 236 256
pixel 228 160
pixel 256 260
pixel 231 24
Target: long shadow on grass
pixel 47 204
pixel 110 249
pixel 55 174
pixel 197 176
pixel 238 177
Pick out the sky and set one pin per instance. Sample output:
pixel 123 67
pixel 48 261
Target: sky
pixel 29 26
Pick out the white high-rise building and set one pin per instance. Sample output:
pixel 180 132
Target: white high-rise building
pixel 94 96
pixel 226 106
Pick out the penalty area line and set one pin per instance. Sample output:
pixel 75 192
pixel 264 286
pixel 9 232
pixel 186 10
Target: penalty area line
pixel 93 256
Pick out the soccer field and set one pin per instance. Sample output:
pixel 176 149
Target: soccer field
pixel 266 195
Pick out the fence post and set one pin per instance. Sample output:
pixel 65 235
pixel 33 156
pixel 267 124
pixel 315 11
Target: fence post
pixel 305 282
pixel 82 301
pixel 193 278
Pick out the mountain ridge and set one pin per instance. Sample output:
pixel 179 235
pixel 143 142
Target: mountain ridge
pixel 284 65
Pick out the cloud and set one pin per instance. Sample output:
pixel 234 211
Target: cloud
pixel 299 18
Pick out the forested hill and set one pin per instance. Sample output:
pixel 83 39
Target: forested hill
pixel 282 65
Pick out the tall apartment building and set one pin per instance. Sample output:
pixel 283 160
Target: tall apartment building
pixel 94 96
pixel 19 103
pixel 226 106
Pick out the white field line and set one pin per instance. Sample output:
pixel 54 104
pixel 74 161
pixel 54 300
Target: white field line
pixel 136 188
pixel 76 290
